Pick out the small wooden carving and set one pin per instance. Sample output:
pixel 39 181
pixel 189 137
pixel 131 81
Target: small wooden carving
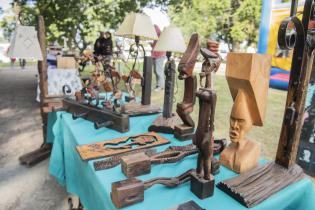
pixel 120 145
pixel 202 182
pixel 115 160
pixel 136 164
pixel 100 117
pixel 248 79
pixel 183 109
pixel 140 163
pixel 253 187
pixel 131 191
pixel 190 205
pixel 172 153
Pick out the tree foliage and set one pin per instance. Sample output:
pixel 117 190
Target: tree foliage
pixel 80 21
pixel 232 21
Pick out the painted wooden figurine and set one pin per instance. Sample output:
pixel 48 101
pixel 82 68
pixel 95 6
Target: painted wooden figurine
pixel 248 78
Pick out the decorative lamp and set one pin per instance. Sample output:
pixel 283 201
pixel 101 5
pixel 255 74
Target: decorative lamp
pixel 137 26
pixel 171 40
pixel 24 44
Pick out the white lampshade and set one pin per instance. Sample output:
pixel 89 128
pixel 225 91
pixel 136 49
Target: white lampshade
pixel 24 44
pixel 136 24
pixel 171 40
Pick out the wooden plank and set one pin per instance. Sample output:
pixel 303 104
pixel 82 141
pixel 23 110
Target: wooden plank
pixel 291 131
pixel 109 148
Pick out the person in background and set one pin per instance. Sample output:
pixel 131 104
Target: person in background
pixel 158 63
pixel 98 45
pixel 108 46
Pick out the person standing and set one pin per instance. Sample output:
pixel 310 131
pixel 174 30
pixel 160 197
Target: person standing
pixel 108 46
pixel 98 45
pixel 158 63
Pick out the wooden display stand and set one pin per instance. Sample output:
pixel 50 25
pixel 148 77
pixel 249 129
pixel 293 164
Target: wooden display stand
pixel 248 79
pixel 47 104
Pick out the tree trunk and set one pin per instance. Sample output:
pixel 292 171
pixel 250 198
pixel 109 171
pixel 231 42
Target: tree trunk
pixel 236 46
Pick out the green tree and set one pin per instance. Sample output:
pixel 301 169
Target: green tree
pixel 81 20
pixel 232 21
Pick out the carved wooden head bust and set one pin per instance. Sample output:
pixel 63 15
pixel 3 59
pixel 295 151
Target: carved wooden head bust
pixel 248 78
pixel 240 119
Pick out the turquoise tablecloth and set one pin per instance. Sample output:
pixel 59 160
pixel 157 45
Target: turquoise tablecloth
pixel 94 188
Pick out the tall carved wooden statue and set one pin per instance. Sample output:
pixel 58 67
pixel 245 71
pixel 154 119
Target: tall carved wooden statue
pixel 186 66
pixel 248 78
pixel 202 183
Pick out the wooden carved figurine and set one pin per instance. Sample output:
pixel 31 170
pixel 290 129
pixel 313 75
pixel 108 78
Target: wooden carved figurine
pixel 248 79
pixel 202 183
pixel 183 109
pixel 257 185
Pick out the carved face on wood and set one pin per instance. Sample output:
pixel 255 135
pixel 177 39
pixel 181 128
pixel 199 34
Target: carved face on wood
pixel 240 119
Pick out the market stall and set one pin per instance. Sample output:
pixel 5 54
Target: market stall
pixel 94 187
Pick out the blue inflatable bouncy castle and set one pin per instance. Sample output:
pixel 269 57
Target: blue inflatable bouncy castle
pixel 273 12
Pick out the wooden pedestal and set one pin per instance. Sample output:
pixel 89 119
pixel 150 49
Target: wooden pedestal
pixel 200 187
pixel 127 192
pixel 183 132
pixel 135 164
pixel 165 125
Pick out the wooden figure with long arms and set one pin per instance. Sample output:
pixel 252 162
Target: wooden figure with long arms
pixel 185 68
pixel 207 101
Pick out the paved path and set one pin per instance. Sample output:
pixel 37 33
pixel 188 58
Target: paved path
pixel 23 188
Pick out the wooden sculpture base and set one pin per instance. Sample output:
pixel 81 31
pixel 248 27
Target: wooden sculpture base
pixel 200 187
pixel 190 205
pixel 131 191
pixel 137 109
pixel 36 156
pixel 183 132
pixel 120 145
pixel 241 157
pixel 255 186
pixel 165 125
pixel 127 192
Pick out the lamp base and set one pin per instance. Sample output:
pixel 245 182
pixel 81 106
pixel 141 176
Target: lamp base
pixel 165 125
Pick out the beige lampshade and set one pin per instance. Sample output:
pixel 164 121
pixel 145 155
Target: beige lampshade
pixel 171 40
pixel 136 24
pixel 24 44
